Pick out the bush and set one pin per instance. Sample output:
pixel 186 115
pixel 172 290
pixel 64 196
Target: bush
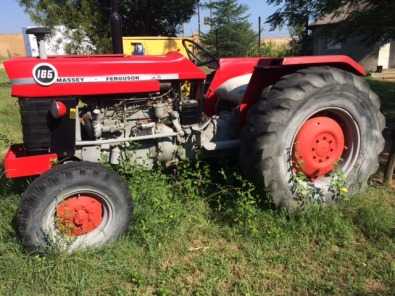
pixel 271 49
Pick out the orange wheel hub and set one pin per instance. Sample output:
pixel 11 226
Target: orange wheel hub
pixel 319 145
pixel 79 215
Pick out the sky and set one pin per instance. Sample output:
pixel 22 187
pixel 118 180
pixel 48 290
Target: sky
pixel 13 18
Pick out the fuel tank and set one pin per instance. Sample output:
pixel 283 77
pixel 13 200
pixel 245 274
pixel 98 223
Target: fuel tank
pixel 62 76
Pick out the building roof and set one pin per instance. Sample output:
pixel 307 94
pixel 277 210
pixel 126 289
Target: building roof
pixel 339 15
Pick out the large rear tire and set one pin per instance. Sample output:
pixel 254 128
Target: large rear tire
pixel 284 120
pixel 74 206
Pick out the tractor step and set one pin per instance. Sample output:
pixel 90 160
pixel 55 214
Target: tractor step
pixel 17 164
pixel 388 75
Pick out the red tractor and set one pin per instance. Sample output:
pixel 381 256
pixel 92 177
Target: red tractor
pixel 309 116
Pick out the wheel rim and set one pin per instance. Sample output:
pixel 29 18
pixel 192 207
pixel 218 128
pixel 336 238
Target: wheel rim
pixel 326 141
pixel 79 215
pixel 64 237
pixel 318 146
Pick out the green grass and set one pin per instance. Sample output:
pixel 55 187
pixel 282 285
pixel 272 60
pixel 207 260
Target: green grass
pixel 9 115
pixel 204 232
pixel 386 91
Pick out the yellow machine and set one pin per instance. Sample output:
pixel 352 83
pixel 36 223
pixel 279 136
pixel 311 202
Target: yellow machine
pixel 153 45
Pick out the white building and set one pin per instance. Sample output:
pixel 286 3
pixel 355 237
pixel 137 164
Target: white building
pixel 55 44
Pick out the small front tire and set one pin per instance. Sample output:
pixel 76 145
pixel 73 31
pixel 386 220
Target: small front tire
pixel 74 206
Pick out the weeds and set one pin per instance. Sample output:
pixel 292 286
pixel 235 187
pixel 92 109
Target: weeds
pixel 201 230
pixel 307 193
pixel 4 139
pixel 338 185
pixel 303 189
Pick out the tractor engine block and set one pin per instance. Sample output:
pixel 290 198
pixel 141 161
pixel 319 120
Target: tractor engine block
pixel 159 128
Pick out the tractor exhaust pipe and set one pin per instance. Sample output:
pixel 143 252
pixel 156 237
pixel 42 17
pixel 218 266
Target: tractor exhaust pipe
pixel 116 28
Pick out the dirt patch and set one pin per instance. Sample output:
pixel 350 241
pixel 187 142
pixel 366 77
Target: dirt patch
pixel 374 286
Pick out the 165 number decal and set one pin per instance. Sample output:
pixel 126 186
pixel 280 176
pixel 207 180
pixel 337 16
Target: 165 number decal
pixel 45 74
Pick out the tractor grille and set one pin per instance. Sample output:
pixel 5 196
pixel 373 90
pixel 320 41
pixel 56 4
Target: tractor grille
pixel 35 124
pixel 44 134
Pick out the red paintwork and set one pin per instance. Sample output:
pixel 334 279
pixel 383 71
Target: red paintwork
pixel 270 70
pixel 26 166
pixel 61 109
pixel 266 71
pixel 340 61
pixel 79 215
pixel 85 66
pixel 87 89
pixel 318 146
pixel 228 68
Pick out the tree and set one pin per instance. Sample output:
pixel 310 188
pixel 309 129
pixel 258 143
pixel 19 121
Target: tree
pixel 230 32
pixel 372 19
pixel 295 14
pixel 292 13
pixel 90 19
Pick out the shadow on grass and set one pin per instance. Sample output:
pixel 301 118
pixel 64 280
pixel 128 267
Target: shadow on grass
pixel 386 92
pixel 5 84
pixel 12 187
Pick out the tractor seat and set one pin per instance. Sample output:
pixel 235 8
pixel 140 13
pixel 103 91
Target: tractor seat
pixel 233 90
pixel 38 30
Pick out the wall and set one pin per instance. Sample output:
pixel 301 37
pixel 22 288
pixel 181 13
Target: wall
pixel 384 56
pixel 11 45
pixel 56 42
pixel 392 55
pixel 355 47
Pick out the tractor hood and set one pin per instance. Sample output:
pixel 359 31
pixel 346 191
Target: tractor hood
pixel 96 75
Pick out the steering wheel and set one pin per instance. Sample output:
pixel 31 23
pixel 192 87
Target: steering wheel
pixel 211 61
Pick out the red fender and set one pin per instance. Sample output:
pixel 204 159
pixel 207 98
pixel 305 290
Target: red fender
pixel 269 70
pixel 228 69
